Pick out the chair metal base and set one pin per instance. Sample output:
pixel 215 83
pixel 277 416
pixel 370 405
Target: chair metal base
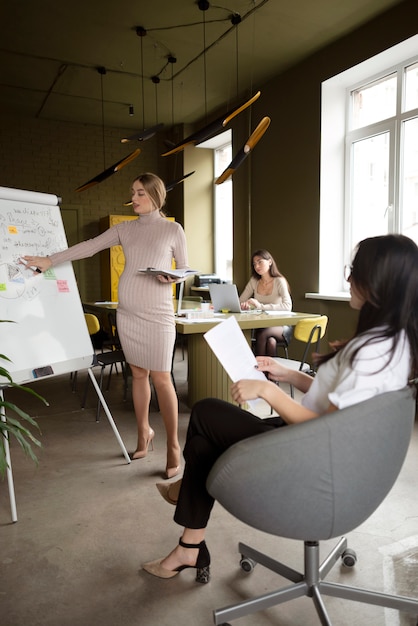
pixel 310 583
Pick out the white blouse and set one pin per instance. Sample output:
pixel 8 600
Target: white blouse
pixel 373 372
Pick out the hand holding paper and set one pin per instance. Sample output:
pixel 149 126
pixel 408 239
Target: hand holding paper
pixel 229 345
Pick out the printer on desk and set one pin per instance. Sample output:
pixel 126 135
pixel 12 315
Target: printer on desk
pixel 204 280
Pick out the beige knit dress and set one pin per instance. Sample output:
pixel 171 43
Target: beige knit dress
pixel 145 314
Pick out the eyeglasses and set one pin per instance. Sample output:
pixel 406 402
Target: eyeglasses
pixel 347 272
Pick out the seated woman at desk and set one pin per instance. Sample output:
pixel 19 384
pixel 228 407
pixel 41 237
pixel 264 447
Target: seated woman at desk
pixel 145 317
pixel 267 290
pixel 382 356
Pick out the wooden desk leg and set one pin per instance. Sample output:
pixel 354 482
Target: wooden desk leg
pixel 206 378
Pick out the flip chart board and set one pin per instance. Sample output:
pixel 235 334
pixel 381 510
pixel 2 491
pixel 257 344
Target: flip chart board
pixel 47 334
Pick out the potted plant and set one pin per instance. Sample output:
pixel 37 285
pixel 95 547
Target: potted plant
pixel 15 426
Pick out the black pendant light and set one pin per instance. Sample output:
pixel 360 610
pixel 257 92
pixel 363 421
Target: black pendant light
pixel 145 133
pixel 220 123
pixel 116 167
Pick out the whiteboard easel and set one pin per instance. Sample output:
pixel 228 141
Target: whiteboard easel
pixel 49 335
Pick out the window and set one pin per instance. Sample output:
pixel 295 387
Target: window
pixel 223 205
pixel 369 157
pixel 223 218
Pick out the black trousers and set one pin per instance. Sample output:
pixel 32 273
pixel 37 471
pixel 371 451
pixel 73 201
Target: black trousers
pixel 214 426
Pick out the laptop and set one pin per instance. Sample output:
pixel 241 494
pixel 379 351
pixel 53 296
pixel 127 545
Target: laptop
pixel 179 310
pixel 225 297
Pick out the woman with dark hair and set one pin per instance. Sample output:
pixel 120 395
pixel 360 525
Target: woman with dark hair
pixel 267 290
pixel 145 317
pixel 381 356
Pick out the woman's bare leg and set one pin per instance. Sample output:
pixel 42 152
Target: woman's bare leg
pixel 264 345
pixel 168 402
pixel 141 396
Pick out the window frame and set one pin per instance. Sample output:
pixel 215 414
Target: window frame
pixel 335 158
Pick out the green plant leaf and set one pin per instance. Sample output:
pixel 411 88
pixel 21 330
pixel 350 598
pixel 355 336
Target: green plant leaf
pixel 11 426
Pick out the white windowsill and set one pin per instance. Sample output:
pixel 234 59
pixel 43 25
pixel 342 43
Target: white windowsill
pixel 342 296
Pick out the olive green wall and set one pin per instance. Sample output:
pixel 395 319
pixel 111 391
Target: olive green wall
pixel 283 173
pixel 198 209
pixel 276 190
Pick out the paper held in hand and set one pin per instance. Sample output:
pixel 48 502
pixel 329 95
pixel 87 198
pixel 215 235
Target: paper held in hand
pixel 172 273
pixel 235 355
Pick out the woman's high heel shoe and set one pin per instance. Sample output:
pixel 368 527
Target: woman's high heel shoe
pixel 170 491
pixel 140 454
pixel 173 466
pixel 202 564
pixel 170 472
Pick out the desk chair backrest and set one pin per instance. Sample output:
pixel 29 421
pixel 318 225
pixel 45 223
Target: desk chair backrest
pixel 92 322
pixel 310 331
pixel 333 471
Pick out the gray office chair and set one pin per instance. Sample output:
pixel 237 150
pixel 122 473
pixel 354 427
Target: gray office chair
pixel 315 481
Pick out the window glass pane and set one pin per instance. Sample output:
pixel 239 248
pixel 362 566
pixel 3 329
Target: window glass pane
pixel 409 180
pixel 411 87
pixel 370 165
pixel 374 102
pixel 223 157
pixel 223 230
pixel 223 215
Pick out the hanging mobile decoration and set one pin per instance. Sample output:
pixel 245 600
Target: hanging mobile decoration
pixel 242 154
pixel 116 167
pixel 220 123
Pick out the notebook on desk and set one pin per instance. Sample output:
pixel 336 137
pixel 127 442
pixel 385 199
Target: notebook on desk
pixel 225 298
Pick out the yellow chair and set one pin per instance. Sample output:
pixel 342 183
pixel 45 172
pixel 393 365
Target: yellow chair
pixel 93 324
pixel 309 331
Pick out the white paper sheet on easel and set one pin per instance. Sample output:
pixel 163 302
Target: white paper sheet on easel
pixel 236 357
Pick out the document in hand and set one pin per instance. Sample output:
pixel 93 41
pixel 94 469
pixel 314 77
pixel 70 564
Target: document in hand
pixel 172 273
pixel 235 355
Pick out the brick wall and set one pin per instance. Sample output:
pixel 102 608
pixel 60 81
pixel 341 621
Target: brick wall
pixel 57 157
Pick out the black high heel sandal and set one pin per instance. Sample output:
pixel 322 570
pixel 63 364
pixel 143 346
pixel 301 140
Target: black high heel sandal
pixel 202 565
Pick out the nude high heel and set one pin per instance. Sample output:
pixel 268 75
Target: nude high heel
pixel 140 454
pixel 170 472
pixel 170 491
pixel 173 470
pixel 202 565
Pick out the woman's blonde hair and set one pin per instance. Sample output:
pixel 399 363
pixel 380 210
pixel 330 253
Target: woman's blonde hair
pixel 154 188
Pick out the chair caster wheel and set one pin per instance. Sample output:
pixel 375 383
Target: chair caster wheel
pixel 247 564
pixel 349 558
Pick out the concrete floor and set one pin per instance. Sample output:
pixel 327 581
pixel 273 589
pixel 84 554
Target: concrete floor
pixel 87 520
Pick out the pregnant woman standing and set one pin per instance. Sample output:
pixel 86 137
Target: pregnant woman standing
pixel 145 316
